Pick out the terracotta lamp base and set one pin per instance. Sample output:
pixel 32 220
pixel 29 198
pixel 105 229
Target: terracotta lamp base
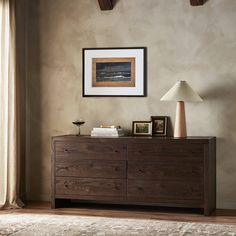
pixel 180 121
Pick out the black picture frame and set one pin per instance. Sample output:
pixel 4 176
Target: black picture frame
pixel 160 126
pixel 140 54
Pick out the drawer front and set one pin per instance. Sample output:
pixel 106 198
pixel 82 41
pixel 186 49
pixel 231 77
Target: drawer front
pixel 71 166
pixel 91 150
pixel 152 151
pixel 90 187
pixel 158 191
pixel 176 170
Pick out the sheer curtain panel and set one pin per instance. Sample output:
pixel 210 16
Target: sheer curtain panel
pixel 9 148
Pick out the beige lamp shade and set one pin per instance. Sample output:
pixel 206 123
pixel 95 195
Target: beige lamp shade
pixel 181 91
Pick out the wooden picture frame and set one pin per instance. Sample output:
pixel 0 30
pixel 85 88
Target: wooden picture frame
pixel 142 128
pixel 159 125
pixel 114 72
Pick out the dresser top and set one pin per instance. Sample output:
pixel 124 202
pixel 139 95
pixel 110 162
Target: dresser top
pixel 129 137
pixel 82 138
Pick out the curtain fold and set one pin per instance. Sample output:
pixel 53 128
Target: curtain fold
pixel 9 127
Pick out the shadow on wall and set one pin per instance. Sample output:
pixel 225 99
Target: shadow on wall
pixel 223 96
pixel 34 165
pixel 223 91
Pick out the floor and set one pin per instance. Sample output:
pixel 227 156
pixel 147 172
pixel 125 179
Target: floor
pixel 173 214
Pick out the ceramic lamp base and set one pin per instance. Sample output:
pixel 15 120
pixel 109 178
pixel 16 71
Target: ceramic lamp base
pixel 180 121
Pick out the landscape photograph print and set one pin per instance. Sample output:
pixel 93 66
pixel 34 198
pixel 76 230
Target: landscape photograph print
pixel 142 128
pixel 113 72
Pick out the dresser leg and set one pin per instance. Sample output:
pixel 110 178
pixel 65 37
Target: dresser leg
pixel 208 211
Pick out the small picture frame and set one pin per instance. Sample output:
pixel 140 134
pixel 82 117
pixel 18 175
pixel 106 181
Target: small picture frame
pixel 142 128
pixel 159 125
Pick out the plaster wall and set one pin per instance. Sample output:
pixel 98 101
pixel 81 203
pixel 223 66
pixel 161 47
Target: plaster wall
pixel 197 44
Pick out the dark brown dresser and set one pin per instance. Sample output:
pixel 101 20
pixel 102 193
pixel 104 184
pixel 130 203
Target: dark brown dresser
pixel 135 170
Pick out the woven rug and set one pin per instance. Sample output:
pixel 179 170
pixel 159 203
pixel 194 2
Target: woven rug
pixel 58 225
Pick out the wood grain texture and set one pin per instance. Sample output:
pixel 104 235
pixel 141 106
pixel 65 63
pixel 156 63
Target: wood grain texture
pixel 131 139
pixel 105 4
pixel 90 186
pixel 53 157
pixel 164 151
pixel 166 171
pixel 72 166
pixel 91 151
pixel 165 191
pixel 131 170
pixel 210 177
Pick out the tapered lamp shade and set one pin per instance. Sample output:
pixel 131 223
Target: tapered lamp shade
pixel 181 92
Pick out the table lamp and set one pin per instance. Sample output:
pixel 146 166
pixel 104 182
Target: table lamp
pixel 181 92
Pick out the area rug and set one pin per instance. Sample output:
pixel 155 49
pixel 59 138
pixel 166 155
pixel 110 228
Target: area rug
pixel 57 225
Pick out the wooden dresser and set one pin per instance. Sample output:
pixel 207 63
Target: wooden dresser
pixel 135 170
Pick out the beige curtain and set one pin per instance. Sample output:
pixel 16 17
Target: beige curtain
pixel 9 151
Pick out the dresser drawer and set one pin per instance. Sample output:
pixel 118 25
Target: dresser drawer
pixel 165 191
pixel 71 166
pixel 159 151
pixel 91 150
pixel 175 170
pixel 90 187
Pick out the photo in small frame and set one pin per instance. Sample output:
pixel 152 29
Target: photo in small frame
pixel 159 125
pixel 142 128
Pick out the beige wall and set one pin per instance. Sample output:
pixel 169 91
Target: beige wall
pixel 197 44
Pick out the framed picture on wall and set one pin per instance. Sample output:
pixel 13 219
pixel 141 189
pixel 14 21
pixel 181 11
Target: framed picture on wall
pixel 114 72
pixel 159 125
pixel 142 128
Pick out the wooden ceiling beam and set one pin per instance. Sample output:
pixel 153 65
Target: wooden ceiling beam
pixel 197 2
pixel 108 4
pixel 105 4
